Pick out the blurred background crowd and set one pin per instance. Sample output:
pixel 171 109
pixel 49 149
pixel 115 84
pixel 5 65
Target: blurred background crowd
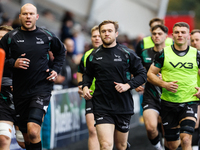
pixel 71 21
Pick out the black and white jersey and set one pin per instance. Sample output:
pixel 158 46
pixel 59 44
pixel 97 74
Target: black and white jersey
pixel 109 65
pixel 35 44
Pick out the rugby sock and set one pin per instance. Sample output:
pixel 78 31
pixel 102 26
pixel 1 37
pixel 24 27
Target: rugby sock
pixel 156 143
pixel 36 146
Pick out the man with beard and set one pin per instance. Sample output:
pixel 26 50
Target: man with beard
pixel 151 96
pixel 179 66
pixel 112 65
pixel 93 143
pixel 27 50
pixel 7 110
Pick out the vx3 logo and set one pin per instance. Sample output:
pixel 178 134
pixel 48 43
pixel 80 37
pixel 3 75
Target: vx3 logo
pixel 186 65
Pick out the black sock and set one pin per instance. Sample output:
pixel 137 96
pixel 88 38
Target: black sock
pixel 36 146
pixel 27 146
pixel 155 140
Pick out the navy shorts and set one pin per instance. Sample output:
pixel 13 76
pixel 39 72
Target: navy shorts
pixel 173 113
pixel 151 104
pixel 7 112
pixel 88 106
pixel 121 121
pixel 22 109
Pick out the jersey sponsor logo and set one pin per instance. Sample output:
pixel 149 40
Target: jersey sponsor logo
pixel 148 58
pixel 186 65
pixel 145 106
pixel 118 58
pixel 39 101
pixel 166 123
pixel 101 118
pixel 190 110
pixel 88 109
pixel 39 41
pixel 20 41
pixel 126 126
pixel 99 58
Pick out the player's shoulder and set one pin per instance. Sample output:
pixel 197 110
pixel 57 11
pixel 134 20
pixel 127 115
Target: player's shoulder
pixel 46 31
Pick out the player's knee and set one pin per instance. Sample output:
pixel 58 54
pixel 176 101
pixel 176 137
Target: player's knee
pixel 4 141
pixel 33 131
pixel 6 130
pixel 151 128
pixel 187 126
pixel 171 146
pixel 106 145
pixel 121 145
pixel 186 139
pixel 92 131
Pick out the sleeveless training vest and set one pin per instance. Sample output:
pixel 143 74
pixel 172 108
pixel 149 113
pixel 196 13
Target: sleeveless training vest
pixel 148 42
pixel 183 69
pixel 92 87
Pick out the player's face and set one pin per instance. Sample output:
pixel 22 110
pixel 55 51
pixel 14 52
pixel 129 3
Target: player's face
pixel 181 35
pixel 158 36
pixel 96 39
pixel 195 40
pixel 2 33
pixel 108 35
pixel 28 17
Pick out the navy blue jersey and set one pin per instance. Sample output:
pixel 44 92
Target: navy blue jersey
pixel 35 44
pixel 109 65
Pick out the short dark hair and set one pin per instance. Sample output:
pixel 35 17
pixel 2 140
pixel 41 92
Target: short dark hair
pixel 6 28
pixel 195 31
pixel 162 27
pixel 156 20
pixel 181 24
pixel 115 23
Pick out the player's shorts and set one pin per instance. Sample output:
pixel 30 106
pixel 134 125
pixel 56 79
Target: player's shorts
pixel 151 104
pixel 88 106
pixel 7 112
pixel 173 113
pixel 22 107
pixel 121 121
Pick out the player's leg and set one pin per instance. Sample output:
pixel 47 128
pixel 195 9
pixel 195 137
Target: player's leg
pixel 5 134
pixel 105 133
pixel 151 122
pixel 93 143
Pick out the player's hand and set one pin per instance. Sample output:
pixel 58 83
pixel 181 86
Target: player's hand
pixel 160 76
pixel 120 87
pixel 22 63
pixel 86 93
pixel 171 86
pixel 139 89
pixel 53 75
pixel 80 91
pixel 198 92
